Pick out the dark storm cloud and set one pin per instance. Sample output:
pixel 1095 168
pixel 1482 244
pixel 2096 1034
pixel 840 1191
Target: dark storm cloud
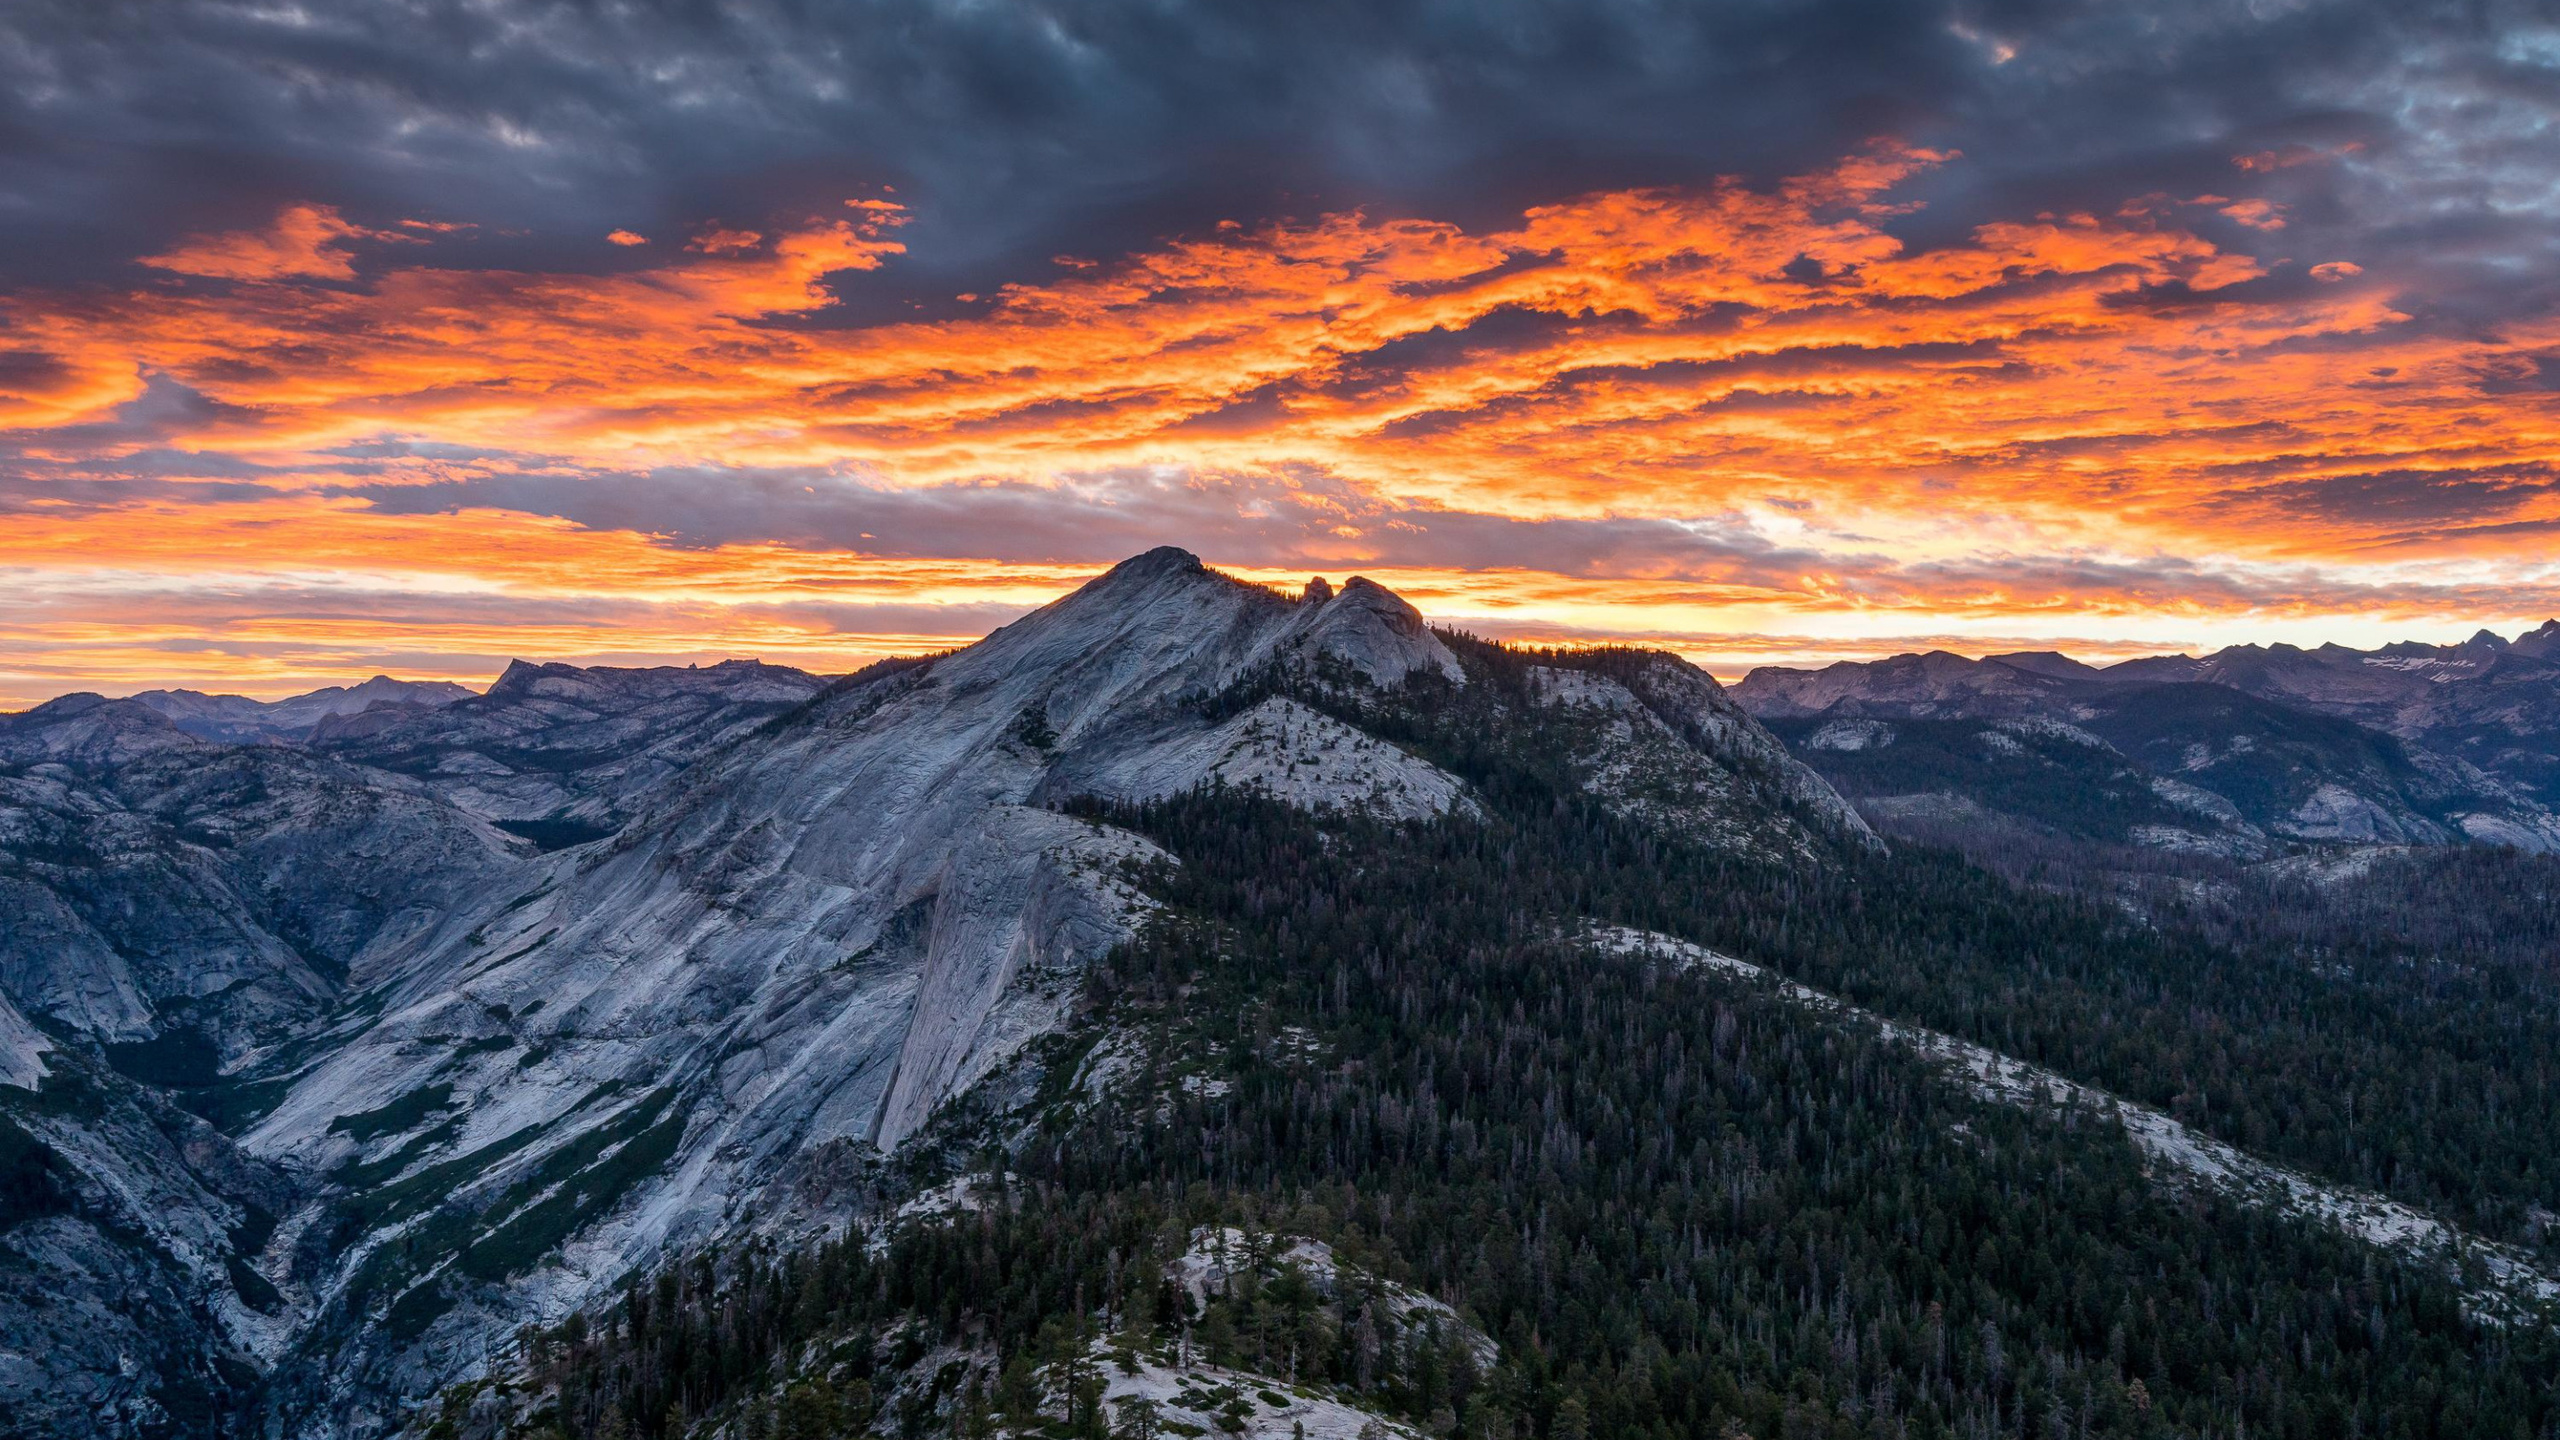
pixel 2394 135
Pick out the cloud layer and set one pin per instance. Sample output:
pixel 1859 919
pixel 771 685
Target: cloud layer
pixel 699 331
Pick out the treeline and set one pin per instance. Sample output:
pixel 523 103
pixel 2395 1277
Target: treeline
pixel 2434 1080
pixel 1682 1205
pixel 1679 1205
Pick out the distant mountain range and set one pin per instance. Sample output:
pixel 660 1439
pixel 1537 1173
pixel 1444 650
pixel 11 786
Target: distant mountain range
pixel 398 1059
pixel 420 953
pixel 2408 744
pixel 237 717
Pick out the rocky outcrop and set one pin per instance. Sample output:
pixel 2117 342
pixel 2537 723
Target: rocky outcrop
pixel 506 998
pixel 1279 748
pixel 2425 744
pixel 564 753
pixel 1664 744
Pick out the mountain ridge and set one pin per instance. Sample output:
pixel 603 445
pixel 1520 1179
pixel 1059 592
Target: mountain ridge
pixel 2461 737
pixel 672 945
pixel 345 1063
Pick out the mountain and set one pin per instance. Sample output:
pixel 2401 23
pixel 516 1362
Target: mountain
pixel 2409 744
pixel 523 990
pixel 175 906
pixel 239 718
pixel 201 896
pixel 558 753
pixel 1674 1192
pixel 1195 1005
pixel 1910 686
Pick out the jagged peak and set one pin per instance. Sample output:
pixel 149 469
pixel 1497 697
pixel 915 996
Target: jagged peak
pixel 1163 623
pixel 1318 590
pixel 1167 573
pixel 517 675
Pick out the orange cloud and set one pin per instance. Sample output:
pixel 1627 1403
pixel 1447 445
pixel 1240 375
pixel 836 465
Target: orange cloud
pixel 1771 365
pixel 306 242
pixel 625 237
pixel 720 241
pixel 2256 214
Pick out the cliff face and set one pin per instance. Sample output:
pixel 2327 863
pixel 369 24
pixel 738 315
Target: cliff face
pixel 2223 754
pixel 491 1074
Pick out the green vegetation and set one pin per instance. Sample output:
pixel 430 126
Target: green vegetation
pixel 2043 778
pixel 1679 1203
pixel 396 1117
pixel 179 1058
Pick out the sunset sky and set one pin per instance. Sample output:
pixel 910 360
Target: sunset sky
pixel 409 337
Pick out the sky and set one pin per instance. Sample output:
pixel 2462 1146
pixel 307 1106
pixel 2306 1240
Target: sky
pixel 410 336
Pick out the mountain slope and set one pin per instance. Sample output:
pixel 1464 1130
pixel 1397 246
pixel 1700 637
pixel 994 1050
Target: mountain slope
pixel 1195 904
pixel 172 889
pixel 2407 745
pixel 562 754
pixel 835 923
pixel 239 718
pixel 1676 1201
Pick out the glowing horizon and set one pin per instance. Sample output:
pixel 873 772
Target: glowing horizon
pixel 1870 404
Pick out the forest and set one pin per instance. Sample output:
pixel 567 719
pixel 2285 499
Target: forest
pixel 1679 1204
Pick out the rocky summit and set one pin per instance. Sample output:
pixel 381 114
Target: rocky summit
pixel 1197 1008
pixel 341 1040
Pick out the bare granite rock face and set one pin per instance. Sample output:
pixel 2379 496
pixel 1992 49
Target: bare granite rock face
pixel 500 999
pixel 165 883
pixel 133 1300
pixel 1665 744
pixel 563 753
pixel 2406 744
